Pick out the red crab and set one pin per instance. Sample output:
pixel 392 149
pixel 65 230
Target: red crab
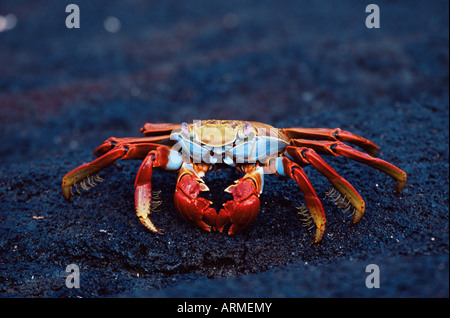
pixel 254 148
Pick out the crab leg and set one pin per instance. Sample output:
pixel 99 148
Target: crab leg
pixel 337 148
pixel 286 167
pixel 162 158
pixel 150 129
pixel 85 172
pixel 113 142
pixel 332 134
pixel 350 195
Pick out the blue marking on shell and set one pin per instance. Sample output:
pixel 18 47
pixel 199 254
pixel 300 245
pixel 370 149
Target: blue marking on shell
pixel 258 149
pixel 279 166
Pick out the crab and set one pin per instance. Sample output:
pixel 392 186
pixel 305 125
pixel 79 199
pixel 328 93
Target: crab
pixel 255 149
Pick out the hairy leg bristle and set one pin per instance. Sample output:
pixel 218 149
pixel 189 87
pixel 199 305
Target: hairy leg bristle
pixel 340 200
pixel 305 217
pixel 86 184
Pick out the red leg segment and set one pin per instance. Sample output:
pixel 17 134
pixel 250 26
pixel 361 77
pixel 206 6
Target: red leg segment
pixel 337 148
pixel 84 173
pixel 143 187
pixel 332 134
pixel 154 155
pixel 309 156
pixel 158 129
pixel 114 142
pixel 294 171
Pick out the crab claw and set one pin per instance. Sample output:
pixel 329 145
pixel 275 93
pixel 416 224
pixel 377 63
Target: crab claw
pixel 243 209
pixel 191 207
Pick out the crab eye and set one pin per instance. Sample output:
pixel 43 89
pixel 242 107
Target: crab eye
pixel 247 129
pixel 185 128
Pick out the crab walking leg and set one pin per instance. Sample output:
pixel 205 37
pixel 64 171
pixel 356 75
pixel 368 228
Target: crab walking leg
pixel 143 192
pixel 162 158
pixel 88 169
pixel 113 142
pixel 336 148
pixel 191 207
pixel 308 156
pixel 85 172
pixel 243 209
pixel 332 134
pixel 287 168
pixel 157 129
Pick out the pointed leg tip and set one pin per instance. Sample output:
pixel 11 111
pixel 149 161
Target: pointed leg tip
pixel 400 186
pixel 357 215
pixel 67 192
pixel 320 230
pixel 356 219
pixel 317 241
pixel 149 225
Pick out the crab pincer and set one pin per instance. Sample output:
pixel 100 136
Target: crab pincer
pixel 243 209
pixel 193 208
